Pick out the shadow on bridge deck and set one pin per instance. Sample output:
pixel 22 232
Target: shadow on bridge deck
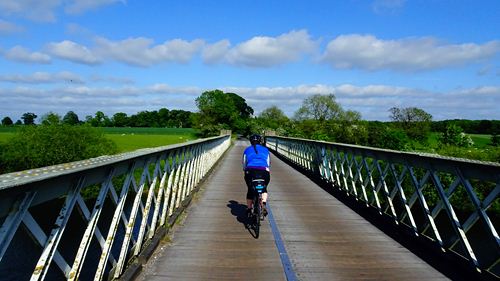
pixel 325 240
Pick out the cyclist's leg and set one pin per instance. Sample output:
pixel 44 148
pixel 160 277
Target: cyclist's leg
pixel 250 193
pixel 267 178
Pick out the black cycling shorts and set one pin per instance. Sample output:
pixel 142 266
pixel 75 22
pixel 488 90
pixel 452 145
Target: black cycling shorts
pixel 251 174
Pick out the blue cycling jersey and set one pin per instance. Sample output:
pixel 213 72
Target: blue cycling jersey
pixel 256 157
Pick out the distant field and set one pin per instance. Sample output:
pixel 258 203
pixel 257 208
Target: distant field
pixel 8 129
pixel 480 141
pixel 132 142
pixel 150 131
pixel 129 139
pixel 5 136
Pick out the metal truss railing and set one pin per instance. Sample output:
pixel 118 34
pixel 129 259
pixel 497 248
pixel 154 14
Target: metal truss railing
pixel 453 202
pixel 89 219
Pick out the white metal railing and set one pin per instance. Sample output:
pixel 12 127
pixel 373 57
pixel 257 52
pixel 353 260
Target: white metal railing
pixel 89 219
pixel 453 202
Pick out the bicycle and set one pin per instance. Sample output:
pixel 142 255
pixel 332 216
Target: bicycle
pixel 258 186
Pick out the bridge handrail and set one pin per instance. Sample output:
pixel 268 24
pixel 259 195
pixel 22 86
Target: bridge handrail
pixel 143 189
pixel 447 200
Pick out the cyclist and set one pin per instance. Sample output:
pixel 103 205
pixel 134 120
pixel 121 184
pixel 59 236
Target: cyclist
pixel 256 162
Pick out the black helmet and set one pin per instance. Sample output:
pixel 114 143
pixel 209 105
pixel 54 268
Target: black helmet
pixel 255 139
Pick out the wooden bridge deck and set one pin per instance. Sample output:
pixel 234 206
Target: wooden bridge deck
pixel 324 239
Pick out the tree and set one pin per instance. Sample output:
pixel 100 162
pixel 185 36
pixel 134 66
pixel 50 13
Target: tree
pixel 495 140
pixel 218 110
pixel 179 119
pixel 6 121
pixel 163 117
pixel 273 118
pixel 144 119
pixel 414 121
pixel 71 118
pixel 18 122
pixel 244 110
pixel 29 118
pixel 51 118
pixel 99 120
pixel 120 119
pixel 321 117
pixel 320 108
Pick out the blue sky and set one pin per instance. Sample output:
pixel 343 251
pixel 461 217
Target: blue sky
pixel 126 56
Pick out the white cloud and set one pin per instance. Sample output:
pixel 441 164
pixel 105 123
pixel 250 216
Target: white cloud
pixel 167 89
pixel 45 10
pixel 216 52
pixel 373 101
pixel 36 10
pixel 413 54
pixel 21 54
pixel 262 51
pixel 111 79
pixel 140 52
pixel 72 51
pixel 8 27
pixel 43 77
pixel 81 6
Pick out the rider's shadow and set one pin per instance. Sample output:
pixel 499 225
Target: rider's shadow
pixel 238 210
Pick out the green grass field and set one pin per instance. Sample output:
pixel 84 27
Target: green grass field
pixel 130 142
pixel 480 141
pixel 4 136
pixel 150 131
pixel 129 139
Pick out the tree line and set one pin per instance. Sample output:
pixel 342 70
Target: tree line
pixel 321 117
pixel 162 118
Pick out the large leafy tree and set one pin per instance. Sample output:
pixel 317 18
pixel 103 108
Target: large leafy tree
pixel 179 119
pixel 320 108
pixel 51 118
pixel 219 110
pixel 71 118
pixel 6 121
pixel 29 118
pixel 99 120
pixel 322 117
pixel 414 121
pixel 145 119
pixel 274 118
pixel 120 119
pixel 244 110
pixel 163 117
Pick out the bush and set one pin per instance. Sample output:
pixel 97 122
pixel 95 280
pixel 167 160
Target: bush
pixel 495 140
pixel 380 135
pixel 453 135
pixel 45 145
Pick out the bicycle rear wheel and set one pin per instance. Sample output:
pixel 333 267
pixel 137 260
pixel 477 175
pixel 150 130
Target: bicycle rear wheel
pixel 257 215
